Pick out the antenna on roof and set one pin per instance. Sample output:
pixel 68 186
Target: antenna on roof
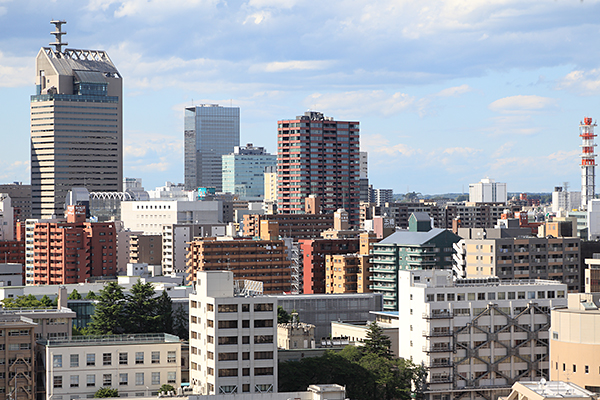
pixel 58 44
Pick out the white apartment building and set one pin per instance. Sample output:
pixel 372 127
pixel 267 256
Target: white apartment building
pixel 136 365
pixel 7 221
pixel 150 216
pixel 175 243
pixel 476 336
pixel 564 200
pixel 487 191
pixel 172 191
pixel 233 332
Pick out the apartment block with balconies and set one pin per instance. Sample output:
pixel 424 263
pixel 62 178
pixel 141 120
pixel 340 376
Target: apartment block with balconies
pixel 476 337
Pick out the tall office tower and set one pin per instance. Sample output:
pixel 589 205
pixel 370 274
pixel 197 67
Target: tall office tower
pixel 244 169
pixel 76 126
pixel 211 131
pixel 364 176
pixel 317 155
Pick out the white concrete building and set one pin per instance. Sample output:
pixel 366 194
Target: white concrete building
pixel 172 191
pixel 487 191
pixel 150 216
pixel 476 336
pixel 564 200
pixel 7 221
pixel 175 243
pixel 233 332
pixel 136 365
pixel 593 219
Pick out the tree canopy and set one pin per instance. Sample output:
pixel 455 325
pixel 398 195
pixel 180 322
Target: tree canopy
pixel 106 392
pixel 141 311
pixel 29 301
pixel 74 295
pixel 377 342
pixel 282 316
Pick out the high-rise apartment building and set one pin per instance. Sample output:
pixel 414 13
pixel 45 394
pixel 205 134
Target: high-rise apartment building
pixel 211 131
pixel 320 156
pixel 76 126
pixel 244 169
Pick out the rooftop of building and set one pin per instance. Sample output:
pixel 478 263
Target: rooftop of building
pixel 85 62
pixel 38 311
pixel 555 390
pixel 405 237
pixel 9 320
pixel 108 340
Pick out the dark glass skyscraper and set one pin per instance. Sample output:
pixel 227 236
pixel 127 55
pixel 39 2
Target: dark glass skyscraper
pixel 211 131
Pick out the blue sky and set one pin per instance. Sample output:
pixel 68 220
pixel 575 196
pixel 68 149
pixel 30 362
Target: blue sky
pixel 446 92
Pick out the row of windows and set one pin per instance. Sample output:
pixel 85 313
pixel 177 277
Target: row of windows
pixel 107 379
pixel 542 294
pixel 107 359
pixel 225 372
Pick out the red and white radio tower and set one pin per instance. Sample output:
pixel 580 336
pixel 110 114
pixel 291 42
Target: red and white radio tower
pixel 588 162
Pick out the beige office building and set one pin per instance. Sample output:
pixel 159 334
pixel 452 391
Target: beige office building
pixel 575 341
pixel 76 126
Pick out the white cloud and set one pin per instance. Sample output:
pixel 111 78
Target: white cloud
pixel 282 4
pixel 257 17
pixel 583 82
pixel 149 8
pixel 358 103
pixel 523 104
pixel 454 91
pixel 295 65
pixel 15 71
pixel 378 144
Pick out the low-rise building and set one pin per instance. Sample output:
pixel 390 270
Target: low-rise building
pixel 356 334
pixel 17 346
pixel 295 335
pixel 135 364
pixel 552 390
pixel 575 341
pixel 476 337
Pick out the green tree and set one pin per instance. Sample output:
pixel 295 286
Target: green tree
pixel 109 316
pixel 282 316
pixel 180 323
pixel 74 295
pixel 377 343
pixel 141 308
pixel 164 307
pixel 166 388
pixel 106 392
pixel 91 296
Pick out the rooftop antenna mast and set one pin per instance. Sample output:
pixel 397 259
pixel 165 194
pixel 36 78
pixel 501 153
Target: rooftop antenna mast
pixel 58 43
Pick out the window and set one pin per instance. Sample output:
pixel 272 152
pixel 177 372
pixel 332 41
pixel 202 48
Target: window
pixel 139 378
pixel 511 295
pixel 263 371
pixel 470 296
pixel 107 359
pixel 501 296
pixel 491 296
pixel 228 324
pixel 172 377
pixel 520 295
pixel 574 368
pixel 122 379
pixel 74 360
pixel 587 369
pixel 210 307
pixel 227 308
pixel 246 323
pixel 228 356
pixel 245 387
pixel 246 355
pixel 74 380
pixel 245 371
pixel 91 380
pixel 263 323
pixel 172 356
pixel 156 357
pixel 107 380
pixel 91 360
pixel 450 296
pixel 228 372
pixel 263 339
pixel 228 340
pixel 139 357
pixel 156 378
pixel 245 307
pixel 210 339
pixel 57 360
pixel 57 382
pixel 210 371
pixel 263 307
pixel 122 358
pixel 263 355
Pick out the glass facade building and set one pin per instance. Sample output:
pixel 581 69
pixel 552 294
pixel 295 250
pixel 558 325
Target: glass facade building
pixel 244 171
pixel 211 131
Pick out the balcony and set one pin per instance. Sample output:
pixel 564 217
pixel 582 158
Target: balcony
pixel 447 348
pixel 437 315
pixel 437 333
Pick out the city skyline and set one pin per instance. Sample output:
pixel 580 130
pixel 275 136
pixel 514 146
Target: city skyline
pixel 446 93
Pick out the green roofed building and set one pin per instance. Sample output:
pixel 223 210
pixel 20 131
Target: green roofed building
pixel 419 247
